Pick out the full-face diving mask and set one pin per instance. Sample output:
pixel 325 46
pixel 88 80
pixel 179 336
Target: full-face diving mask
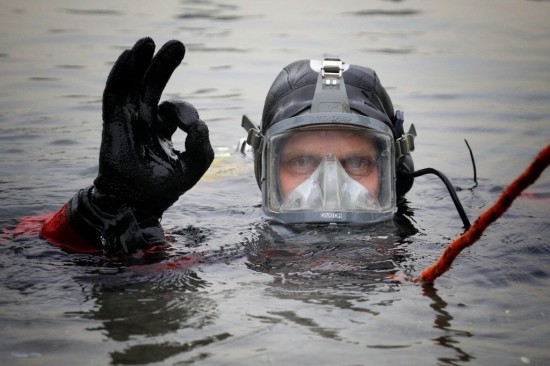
pixel 340 169
pixel 328 164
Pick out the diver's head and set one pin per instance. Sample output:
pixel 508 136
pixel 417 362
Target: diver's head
pixel 326 147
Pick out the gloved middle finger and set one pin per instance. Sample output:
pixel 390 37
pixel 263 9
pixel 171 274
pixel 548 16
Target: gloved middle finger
pixel 163 65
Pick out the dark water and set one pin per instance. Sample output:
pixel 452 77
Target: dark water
pixel 259 294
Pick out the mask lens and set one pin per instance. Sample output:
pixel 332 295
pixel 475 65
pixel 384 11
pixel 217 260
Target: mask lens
pixel 330 170
pixel 330 188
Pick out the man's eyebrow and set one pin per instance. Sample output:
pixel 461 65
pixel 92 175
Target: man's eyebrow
pixel 300 152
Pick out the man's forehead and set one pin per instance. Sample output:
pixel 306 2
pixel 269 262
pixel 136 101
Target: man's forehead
pixel 329 143
pixel 328 138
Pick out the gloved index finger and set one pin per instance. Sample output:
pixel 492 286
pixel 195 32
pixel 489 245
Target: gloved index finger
pixel 198 154
pixel 163 65
pixel 126 76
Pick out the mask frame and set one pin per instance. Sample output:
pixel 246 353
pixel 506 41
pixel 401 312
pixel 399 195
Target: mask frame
pixel 333 121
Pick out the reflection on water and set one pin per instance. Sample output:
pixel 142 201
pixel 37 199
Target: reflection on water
pixel 234 289
pixel 443 322
pixel 149 309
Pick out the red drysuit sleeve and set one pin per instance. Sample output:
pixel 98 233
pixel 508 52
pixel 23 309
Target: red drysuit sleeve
pixel 57 230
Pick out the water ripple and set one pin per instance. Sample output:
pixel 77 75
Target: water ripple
pixel 387 50
pixel 385 12
pixel 92 11
pixel 218 49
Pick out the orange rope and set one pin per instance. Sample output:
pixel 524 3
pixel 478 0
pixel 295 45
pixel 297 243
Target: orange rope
pixel 505 200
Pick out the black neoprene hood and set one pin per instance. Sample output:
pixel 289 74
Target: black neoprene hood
pixel 292 93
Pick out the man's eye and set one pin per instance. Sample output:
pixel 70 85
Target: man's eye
pixel 356 163
pixel 359 165
pixel 302 165
pixel 303 162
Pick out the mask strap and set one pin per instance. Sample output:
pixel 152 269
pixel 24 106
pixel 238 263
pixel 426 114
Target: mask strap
pixel 330 91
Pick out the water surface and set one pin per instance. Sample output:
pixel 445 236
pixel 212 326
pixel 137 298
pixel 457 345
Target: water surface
pixel 261 294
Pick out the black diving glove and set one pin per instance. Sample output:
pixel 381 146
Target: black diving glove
pixel 140 172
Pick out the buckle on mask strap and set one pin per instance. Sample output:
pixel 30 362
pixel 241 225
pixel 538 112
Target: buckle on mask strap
pixel 405 144
pixel 254 137
pixel 332 68
pixel 330 91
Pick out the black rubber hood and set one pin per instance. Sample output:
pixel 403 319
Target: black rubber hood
pixel 292 92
